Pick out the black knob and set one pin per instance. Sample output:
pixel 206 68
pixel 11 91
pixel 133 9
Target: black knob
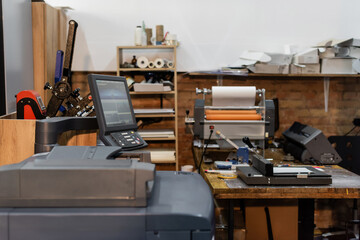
pixel 187 112
pixel 47 86
pixel 76 92
pixel 247 141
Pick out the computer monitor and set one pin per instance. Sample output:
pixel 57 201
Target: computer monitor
pixel 114 111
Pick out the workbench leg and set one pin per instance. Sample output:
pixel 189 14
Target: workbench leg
pixel 231 220
pixel 306 219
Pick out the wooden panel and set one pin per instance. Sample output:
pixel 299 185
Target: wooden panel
pixel 38 22
pixel 17 138
pixel 49 35
pixel 78 138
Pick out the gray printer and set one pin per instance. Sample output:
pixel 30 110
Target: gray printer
pixel 86 193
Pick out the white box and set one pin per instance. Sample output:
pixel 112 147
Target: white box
pixel 352 42
pixel 305 69
pixel 337 66
pixel 309 56
pixel 327 53
pixel 148 87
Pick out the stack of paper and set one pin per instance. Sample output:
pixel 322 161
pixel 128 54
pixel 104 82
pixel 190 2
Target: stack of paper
pixel 156 133
pixel 153 110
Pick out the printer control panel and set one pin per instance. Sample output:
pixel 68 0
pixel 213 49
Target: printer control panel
pixel 127 139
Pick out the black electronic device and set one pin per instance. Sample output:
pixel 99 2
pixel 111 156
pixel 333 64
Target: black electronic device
pixel 309 144
pixel 114 112
pixel 262 172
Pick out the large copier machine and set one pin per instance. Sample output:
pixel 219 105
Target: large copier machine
pixel 84 193
pixel 87 192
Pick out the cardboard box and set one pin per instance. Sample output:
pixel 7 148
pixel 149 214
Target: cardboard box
pixel 326 53
pixel 283 217
pixel 337 66
pixel 305 69
pixel 310 56
pixel 280 58
pixel 271 68
pixel 352 42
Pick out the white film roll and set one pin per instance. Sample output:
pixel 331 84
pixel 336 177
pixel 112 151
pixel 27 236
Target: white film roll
pixel 170 64
pixel 159 63
pixel 151 64
pixel 233 96
pixel 142 62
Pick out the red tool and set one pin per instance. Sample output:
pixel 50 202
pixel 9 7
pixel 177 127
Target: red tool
pixel 29 105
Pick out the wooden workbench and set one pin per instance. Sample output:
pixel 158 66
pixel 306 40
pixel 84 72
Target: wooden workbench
pixel 345 185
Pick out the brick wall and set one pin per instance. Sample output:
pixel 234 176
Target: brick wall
pixel 300 99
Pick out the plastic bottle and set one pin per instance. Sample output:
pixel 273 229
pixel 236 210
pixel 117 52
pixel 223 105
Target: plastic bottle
pixel 138 36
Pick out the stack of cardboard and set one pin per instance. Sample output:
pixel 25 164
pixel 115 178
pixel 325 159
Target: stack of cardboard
pixel 306 62
pixel 340 57
pixel 279 64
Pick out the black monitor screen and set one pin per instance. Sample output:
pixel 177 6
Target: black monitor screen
pixel 112 102
pixel 115 103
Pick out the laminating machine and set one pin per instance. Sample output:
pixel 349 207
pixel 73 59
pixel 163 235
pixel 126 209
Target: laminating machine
pixel 236 112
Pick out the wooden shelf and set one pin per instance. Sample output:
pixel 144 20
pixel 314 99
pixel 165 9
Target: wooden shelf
pixel 164 161
pixel 154 99
pixel 146 69
pixel 269 75
pixel 159 138
pixel 148 47
pixel 169 115
pixel 151 93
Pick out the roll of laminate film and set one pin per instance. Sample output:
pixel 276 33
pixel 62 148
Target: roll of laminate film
pixel 187 168
pixel 170 64
pixel 142 62
pixel 159 63
pixel 233 96
pixel 151 64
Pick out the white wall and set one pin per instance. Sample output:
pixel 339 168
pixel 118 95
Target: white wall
pixel 18 54
pixel 212 33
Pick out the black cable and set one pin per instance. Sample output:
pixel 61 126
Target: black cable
pixel 202 156
pixel 357 133
pixel 350 131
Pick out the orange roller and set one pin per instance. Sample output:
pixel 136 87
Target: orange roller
pixel 209 111
pixel 233 117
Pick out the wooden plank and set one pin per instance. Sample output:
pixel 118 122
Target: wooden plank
pixel 49 35
pixel 78 138
pixel 17 138
pixel 51 47
pixel 38 30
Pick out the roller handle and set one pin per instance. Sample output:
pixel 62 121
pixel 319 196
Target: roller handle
pixel 247 141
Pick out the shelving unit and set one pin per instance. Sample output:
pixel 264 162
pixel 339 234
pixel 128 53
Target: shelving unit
pixel 154 99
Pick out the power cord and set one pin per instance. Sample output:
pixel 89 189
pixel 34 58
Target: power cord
pixel 203 154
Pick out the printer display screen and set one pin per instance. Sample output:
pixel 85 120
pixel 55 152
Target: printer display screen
pixel 115 103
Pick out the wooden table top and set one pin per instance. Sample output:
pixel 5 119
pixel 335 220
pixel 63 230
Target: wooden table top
pixel 345 185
